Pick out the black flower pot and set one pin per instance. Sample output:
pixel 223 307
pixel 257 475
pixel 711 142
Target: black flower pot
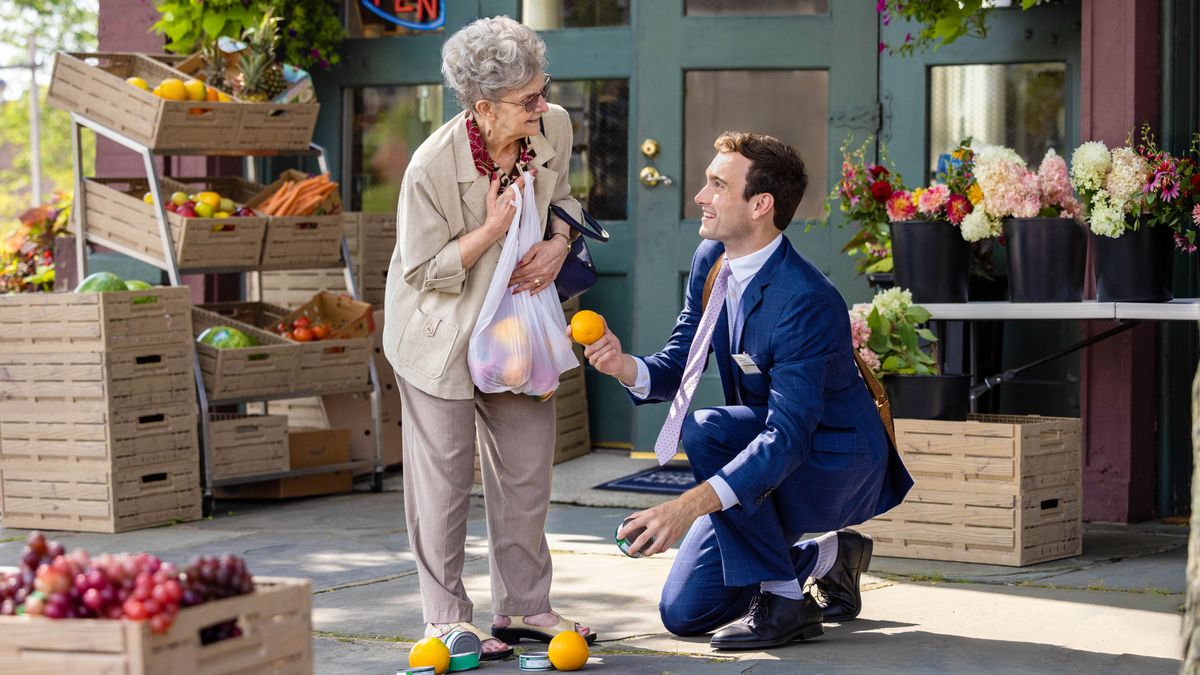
pixel 929 397
pixel 932 260
pixel 1134 267
pixel 1045 259
pixel 880 281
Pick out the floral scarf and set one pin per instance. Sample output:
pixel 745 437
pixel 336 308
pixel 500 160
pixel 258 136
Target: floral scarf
pixel 486 166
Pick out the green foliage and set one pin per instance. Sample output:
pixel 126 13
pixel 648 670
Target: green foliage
pixel 56 153
pixel 27 246
pixel 58 24
pixel 311 30
pixel 897 339
pixel 942 21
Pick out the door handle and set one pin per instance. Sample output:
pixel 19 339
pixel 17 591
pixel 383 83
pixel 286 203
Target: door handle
pixel 651 177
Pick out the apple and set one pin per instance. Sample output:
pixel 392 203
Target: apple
pixel 227 205
pixel 191 204
pixel 172 208
pixel 178 198
pixel 187 212
pixel 203 210
pixel 148 198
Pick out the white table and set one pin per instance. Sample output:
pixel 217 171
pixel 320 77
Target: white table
pixel 1181 309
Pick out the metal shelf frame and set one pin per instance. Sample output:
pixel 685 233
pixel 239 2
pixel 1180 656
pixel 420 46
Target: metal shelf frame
pixel 170 265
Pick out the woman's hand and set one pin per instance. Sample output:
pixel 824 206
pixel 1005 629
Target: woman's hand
pixel 501 208
pixel 539 267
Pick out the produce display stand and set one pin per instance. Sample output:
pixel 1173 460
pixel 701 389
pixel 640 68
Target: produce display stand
pixel 169 263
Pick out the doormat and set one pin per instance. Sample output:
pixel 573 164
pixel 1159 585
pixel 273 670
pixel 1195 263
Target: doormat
pixel 663 480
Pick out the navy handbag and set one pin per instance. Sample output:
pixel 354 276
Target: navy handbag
pixel 578 273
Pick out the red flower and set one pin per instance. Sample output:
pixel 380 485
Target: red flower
pixel 881 190
pixel 876 171
pixel 1196 182
pixel 957 208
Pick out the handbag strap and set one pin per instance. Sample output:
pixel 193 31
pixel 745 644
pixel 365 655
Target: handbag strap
pixel 882 404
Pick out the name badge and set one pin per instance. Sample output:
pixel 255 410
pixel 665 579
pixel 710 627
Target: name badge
pixel 746 364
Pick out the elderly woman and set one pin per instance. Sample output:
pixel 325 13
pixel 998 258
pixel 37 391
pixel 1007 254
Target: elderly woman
pixel 456 204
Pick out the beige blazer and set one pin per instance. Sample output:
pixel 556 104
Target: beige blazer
pixel 432 303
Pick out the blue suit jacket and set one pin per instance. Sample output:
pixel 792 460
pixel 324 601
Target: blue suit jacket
pixel 823 452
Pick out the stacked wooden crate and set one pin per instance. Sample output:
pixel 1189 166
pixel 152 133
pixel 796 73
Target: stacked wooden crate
pixel 97 410
pixel 996 489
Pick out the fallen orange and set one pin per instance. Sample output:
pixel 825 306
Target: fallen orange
pixel 568 651
pixel 430 652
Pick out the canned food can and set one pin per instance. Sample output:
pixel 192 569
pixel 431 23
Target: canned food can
pixel 461 642
pixel 419 670
pixel 463 661
pixel 625 542
pixel 536 661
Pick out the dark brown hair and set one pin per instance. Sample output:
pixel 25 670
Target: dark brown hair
pixel 775 169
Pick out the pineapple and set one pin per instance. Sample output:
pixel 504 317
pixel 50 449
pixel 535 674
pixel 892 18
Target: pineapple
pixel 214 64
pixel 261 78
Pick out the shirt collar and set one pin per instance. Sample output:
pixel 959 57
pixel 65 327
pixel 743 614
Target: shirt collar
pixel 747 266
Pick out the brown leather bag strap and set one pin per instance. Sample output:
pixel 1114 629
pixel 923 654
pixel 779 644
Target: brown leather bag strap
pixel 882 404
pixel 708 284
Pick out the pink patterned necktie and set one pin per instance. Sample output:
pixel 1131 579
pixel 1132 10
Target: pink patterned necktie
pixel 668 438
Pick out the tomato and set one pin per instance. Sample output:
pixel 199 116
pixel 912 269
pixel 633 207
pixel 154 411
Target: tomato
pixel 302 322
pixel 281 328
pixel 288 336
pixel 302 334
pixel 321 331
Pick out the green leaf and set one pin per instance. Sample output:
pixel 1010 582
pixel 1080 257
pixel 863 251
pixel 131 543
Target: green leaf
pixel 923 369
pixel 879 343
pixel 906 371
pixel 891 363
pixel 917 314
pixel 213 23
pixel 926 334
pixel 908 337
pixel 885 326
pixel 1026 4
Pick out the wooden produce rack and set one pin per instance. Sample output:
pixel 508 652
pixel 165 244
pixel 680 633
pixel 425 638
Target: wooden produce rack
pixel 147 143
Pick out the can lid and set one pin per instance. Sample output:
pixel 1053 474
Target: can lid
pixel 418 670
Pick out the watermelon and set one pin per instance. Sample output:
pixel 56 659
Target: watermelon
pixel 101 282
pixel 226 337
pixel 137 285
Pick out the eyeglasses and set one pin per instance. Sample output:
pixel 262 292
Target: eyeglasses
pixel 530 103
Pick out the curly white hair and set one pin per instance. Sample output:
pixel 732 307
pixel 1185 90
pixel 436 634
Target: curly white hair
pixel 489 57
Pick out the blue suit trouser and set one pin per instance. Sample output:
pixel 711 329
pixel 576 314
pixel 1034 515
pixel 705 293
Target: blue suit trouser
pixel 725 555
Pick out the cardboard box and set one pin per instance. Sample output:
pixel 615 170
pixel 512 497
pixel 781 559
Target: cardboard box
pixel 307 448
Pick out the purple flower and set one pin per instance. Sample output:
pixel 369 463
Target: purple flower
pixel 882 47
pixel 316 53
pixel 881 6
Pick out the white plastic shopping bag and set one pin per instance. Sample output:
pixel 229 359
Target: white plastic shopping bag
pixel 519 343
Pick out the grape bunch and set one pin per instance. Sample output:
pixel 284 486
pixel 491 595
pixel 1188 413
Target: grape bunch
pixel 215 578
pixel 52 583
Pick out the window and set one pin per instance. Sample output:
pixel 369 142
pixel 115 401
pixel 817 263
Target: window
pixel 555 14
pixel 600 156
pixel 389 123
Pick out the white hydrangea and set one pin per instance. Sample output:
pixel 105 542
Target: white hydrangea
pixel 1089 165
pixel 1108 215
pixel 1129 174
pixel 893 302
pixel 991 154
pixel 979 225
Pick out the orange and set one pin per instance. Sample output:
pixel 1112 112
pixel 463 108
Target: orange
pixel 430 652
pixel 211 95
pixel 587 327
pixel 173 89
pixel 568 651
pixel 138 82
pixel 196 90
pixel 213 199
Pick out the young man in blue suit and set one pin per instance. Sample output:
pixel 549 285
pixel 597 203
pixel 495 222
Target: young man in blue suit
pixel 798 446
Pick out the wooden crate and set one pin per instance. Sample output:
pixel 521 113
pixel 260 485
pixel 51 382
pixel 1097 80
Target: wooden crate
pixel 301 241
pixel 43 323
pixel 93 85
pixel 116 214
pixel 996 489
pixel 377 233
pixel 276 624
pixel 247 445
pixel 100 439
pixel 132 377
pixel 374 233
pixel 302 413
pixel 267 369
pixel 80 499
pixel 333 364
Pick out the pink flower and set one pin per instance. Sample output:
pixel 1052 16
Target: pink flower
pixel 870 358
pixel 1196 214
pixel 932 200
pixel 1054 180
pixel 860 332
pixel 957 208
pixel 900 206
pixel 1182 244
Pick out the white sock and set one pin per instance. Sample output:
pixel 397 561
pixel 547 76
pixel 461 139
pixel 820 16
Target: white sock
pixel 827 551
pixel 786 589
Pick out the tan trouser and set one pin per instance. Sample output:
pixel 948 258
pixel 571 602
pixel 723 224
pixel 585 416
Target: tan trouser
pixel 516 435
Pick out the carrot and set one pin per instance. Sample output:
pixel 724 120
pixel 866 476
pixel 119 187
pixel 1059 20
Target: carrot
pixel 276 199
pixel 289 201
pixel 308 206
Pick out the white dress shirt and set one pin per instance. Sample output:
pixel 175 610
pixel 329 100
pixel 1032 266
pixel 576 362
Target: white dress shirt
pixel 741 271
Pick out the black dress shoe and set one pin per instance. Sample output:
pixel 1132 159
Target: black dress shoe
pixel 772 621
pixel 837 591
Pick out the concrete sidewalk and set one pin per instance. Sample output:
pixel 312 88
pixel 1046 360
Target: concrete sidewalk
pixel 1115 609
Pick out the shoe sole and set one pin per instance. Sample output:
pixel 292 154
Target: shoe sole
pixel 513 636
pixel 864 561
pixel 806 633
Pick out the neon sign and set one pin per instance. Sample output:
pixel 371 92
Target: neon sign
pixel 430 14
